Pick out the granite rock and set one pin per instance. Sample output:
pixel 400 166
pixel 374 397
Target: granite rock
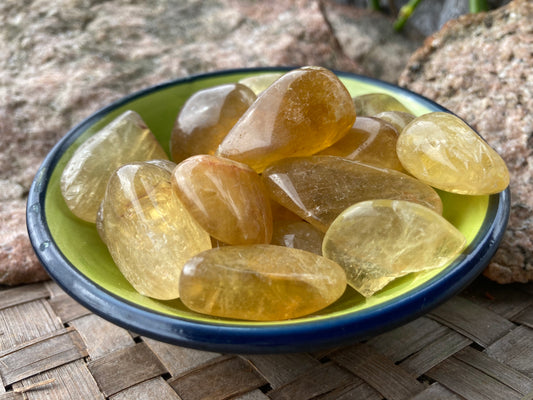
pixel 63 60
pixel 481 68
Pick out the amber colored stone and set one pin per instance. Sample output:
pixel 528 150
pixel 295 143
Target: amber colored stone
pixel 148 232
pixel 397 119
pixel 260 282
pixel 298 235
pixel 303 112
pixel 84 179
pixel 280 213
pixel 370 141
pixel 319 188
pixel 377 241
pixel 227 198
pixel 441 150
pixel 258 83
pixel 206 118
pixel 374 103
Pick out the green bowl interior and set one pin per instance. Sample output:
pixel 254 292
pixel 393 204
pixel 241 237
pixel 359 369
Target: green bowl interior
pixel 80 244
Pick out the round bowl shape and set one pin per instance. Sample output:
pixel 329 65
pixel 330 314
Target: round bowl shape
pixel 76 258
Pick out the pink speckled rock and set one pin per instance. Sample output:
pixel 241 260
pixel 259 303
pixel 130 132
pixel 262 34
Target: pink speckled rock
pixel 480 67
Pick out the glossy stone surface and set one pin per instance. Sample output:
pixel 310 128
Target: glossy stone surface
pixel 397 119
pixel 319 188
pixel 298 235
pixel 260 282
pixel 84 179
pixel 258 83
pixel 441 150
pixel 369 141
pixel 206 118
pixel 148 232
pixel 303 112
pixel 377 241
pixel 227 198
pixel 375 103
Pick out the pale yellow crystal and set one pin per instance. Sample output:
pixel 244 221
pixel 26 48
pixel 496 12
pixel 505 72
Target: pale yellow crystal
pixel 398 119
pixel 258 83
pixel 298 235
pixel 260 282
pixel 227 198
pixel 374 103
pixel 84 179
pixel 148 232
pixel 303 112
pixel 441 150
pixel 319 188
pixel 369 141
pixel 377 241
pixel 206 118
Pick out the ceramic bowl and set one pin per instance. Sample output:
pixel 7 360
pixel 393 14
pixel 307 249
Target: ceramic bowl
pixel 76 258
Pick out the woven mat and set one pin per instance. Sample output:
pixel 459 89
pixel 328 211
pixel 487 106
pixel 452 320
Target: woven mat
pixel 478 345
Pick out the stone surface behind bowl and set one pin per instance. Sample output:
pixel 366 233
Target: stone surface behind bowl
pixel 481 67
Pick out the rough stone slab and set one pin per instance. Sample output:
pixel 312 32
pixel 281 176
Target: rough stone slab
pixel 480 66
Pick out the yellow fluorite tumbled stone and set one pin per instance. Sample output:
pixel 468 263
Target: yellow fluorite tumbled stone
pixel 149 233
pixel 227 198
pixel 319 188
pixel 301 113
pixel 298 235
pixel 441 150
pixel 258 83
pixel 374 103
pixel 84 179
pixel 260 282
pixel 206 118
pixel 380 240
pixel 370 141
pixel 398 119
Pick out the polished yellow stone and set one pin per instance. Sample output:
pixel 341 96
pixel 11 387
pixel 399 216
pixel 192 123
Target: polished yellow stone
pixel 377 241
pixel 303 112
pixel 370 141
pixel 441 150
pixel 298 235
pixel 258 83
pixel 397 119
pixel 84 179
pixel 260 282
pixel 149 233
pixel 319 188
pixel 206 118
pixel 374 103
pixel 227 198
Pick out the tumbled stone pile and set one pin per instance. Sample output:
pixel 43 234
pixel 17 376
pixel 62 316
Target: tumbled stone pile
pixel 63 60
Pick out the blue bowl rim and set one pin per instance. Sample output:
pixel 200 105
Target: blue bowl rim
pixel 305 336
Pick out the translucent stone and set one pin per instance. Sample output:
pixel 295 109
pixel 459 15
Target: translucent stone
pixel 298 235
pixel 148 232
pixel 374 103
pixel 319 188
pixel 258 83
pixel 443 151
pixel 370 141
pixel 227 198
pixel 377 241
pixel 303 112
pixel 260 282
pixel 397 119
pixel 84 179
pixel 206 118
